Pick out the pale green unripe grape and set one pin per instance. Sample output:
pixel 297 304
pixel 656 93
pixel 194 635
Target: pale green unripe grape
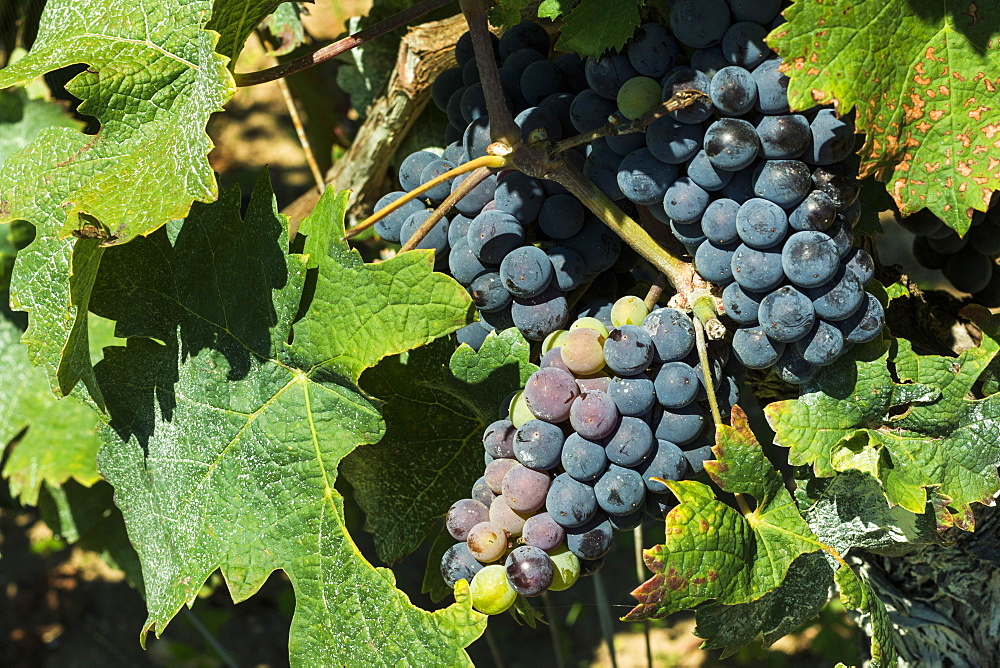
pixel 566 568
pixel 554 340
pixel 591 323
pixel 491 592
pixel 519 411
pixel 637 96
pixel 628 310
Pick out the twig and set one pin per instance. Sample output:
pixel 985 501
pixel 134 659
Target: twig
pixel 706 373
pixel 491 161
pixel 293 112
pixel 554 633
pixel 655 291
pixel 212 641
pixel 502 126
pixel 333 50
pixel 640 573
pixel 604 616
pixel 614 127
pixel 494 649
pixel 463 189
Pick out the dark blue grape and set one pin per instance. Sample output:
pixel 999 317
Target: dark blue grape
pixel 823 345
pixel 573 71
pixel 620 490
pixel 866 323
pixel 510 84
pixel 481 491
pixel 444 87
pixel 558 106
pixel 474 102
pixel 627 522
pixel 569 502
pixel 719 221
pixel 667 463
pixel 832 137
pixel 464 265
pixel 412 167
pixel 761 224
pixel 568 267
pixel 852 214
pixel 741 305
pixel 652 51
pixel 540 80
pixel 644 179
pixel 839 181
pixel 477 198
pixel 783 137
pixel 733 91
pixel 607 74
pixel 583 460
pixel 659 505
pixel 757 270
pixel 810 259
pixel 680 425
pixel 743 44
pixel 843 237
pixel 699 23
pixel 784 182
pixel 674 142
pixel 927 256
pixel 791 368
pixel 676 385
pixel 701 170
pixel 538 445
pixel 455 153
pixel 969 270
pixel 521 196
pixel 592 540
pixel 628 350
pixel 758 11
pixel 498 439
pixel 458 229
pixel 709 60
pixel 601 310
pixel 689 234
pixel 489 293
pixel 772 87
pixel 786 314
pixel 496 320
pixel 631 443
pixel 493 234
pixel 685 201
pixel 685 78
pixel 740 187
pixel 624 144
pixel 389 226
pixel 520 60
pixel 537 317
pixel 697 457
pixel 839 297
pixel 633 395
pixel 476 138
pixel 561 216
pixel 529 570
pixel 672 333
pixel 861 263
pixel 816 212
pixel 601 167
pixel 754 349
pixel 457 563
pixel 436 239
pixel 715 262
pixel 526 271
pixel 590 111
pixel 472 335
pixel 464 50
pixel 597 245
pixel 525 35
pixel 434 169
pixel 539 121
pixel 470 72
pixel 731 144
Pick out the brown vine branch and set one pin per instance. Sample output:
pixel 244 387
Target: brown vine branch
pixel 333 50
pixel 655 291
pixel 502 126
pixel 490 161
pixel 614 127
pixel 463 189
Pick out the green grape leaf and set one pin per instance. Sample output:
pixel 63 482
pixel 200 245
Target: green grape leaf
pixel 58 437
pixel 152 82
pixel 858 595
pixel 922 438
pixel 507 13
pixel 285 25
pixel 594 26
pixel 804 592
pixel 234 20
pixel 850 510
pixel 873 200
pixel 227 424
pixel 22 119
pixel 928 111
pixel 712 551
pixel 433 583
pixel 88 518
pixel 553 9
pixel 435 412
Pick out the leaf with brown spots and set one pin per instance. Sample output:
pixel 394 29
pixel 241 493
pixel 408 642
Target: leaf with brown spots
pixel 712 551
pixel 922 438
pixel 923 76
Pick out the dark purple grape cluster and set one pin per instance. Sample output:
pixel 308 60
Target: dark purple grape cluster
pixel 617 406
pixel 968 262
pixel 517 243
pixel 762 198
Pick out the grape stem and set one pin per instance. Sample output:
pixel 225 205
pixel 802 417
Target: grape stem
pixel 655 291
pixel 614 127
pixel 706 374
pixel 346 44
pixel 490 161
pixel 502 126
pixel 463 189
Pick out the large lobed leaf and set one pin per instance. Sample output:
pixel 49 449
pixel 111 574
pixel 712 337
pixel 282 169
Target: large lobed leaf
pixel 922 75
pixel 152 81
pixel 712 551
pixel 435 410
pixel 922 438
pixel 227 425
pixel 234 20
pixel 590 27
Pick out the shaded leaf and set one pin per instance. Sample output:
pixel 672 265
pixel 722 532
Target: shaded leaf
pixel 857 594
pixel 226 431
pixel 928 111
pixel 594 26
pixel 435 412
pixel 712 551
pixel 285 25
pixel 22 119
pixel 234 20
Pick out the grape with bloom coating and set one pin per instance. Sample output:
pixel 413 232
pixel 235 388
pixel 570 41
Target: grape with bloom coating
pixel 549 393
pixel 593 415
pixel 457 563
pixel 465 514
pixel 506 517
pixel 543 532
pixel 529 570
pixel 525 489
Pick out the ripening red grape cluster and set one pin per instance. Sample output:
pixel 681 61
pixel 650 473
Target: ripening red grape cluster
pixel 616 409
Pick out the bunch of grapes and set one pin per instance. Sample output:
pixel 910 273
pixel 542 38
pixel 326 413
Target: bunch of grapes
pixel 587 444
pixel 968 262
pixel 517 243
pixel 761 198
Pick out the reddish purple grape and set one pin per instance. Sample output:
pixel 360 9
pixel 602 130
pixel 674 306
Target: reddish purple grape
pixel 463 515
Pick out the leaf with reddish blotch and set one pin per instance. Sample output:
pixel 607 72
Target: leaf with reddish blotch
pixel 923 77
pixel 712 551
